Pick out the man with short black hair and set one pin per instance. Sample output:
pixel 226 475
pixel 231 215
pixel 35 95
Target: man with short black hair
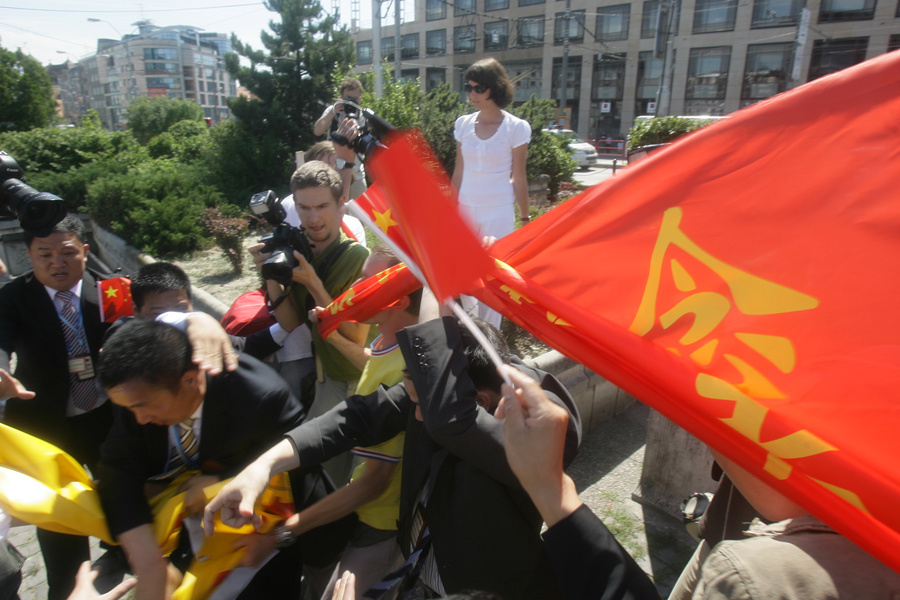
pixel 181 419
pixel 50 317
pixel 158 288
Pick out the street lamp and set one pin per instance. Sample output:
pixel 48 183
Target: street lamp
pixel 95 20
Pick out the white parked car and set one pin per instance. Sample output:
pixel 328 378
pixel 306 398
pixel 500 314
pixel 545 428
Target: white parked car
pixel 585 154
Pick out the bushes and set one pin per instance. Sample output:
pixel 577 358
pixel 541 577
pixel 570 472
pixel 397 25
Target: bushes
pixel 228 232
pixel 156 206
pixel 547 153
pixel 661 130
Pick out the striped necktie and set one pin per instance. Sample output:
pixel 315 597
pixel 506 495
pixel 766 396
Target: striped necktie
pixel 82 391
pixel 186 447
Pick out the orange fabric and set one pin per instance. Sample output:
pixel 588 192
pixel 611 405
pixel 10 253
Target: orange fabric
pixel 743 282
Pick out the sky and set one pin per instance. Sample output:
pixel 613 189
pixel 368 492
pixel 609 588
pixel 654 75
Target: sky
pixel 55 30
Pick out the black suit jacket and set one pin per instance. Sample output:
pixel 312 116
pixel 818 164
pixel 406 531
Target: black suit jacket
pixel 591 564
pixel 485 530
pixel 30 327
pixel 245 412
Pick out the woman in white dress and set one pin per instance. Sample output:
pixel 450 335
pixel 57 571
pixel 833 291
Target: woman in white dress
pixel 491 149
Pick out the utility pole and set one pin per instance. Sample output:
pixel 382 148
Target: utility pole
pixel 564 67
pixel 671 26
pixel 398 46
pixel 376 47
pixel 799 44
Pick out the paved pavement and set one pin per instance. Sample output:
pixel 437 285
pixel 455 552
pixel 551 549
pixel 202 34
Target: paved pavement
pixel 601 171
pixel 606 472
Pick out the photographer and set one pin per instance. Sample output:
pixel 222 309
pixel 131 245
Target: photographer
pixel 338 116
pixel 335 264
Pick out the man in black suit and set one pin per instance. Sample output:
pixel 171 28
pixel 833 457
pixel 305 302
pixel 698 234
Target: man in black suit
pixel 50 318
pixel 484 530
pixel 180 418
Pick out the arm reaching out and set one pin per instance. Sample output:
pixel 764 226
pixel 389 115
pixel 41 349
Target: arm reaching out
pixel 238 498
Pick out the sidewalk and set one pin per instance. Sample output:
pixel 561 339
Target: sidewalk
pixel 606 472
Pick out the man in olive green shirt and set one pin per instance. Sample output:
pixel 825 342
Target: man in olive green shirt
pixel 336 265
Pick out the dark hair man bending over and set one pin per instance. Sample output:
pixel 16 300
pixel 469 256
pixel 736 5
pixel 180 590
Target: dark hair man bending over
pixel 179 419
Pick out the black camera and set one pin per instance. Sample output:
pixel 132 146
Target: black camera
pixel 371 129
pixel 283 240
pixel 38 212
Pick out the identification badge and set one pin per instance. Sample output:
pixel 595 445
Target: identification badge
pixel 82 366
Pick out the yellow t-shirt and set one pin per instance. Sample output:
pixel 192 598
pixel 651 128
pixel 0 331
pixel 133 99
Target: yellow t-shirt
pixel 384 367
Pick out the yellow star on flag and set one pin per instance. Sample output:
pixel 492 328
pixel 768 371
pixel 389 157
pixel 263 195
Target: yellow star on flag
pixel 112 292
pixel 384 220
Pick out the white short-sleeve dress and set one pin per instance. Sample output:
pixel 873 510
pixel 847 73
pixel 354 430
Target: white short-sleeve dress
pixel 486 193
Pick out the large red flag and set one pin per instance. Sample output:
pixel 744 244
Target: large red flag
pixel 743 283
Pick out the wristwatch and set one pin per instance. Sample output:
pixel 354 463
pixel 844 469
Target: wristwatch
pixel 342 164
pixel 283 537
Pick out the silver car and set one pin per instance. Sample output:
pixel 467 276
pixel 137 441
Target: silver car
pixel 585 154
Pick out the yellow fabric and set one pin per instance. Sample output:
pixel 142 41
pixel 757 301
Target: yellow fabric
pixel 42 485
pixel 382 512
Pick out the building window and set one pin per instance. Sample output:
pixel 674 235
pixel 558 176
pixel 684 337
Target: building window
pixel 776 13
pixel 464 39
pixel 650 19
pixel 530 2
pixel 846 10
pixel 714 15
pixel 766 71
pixel 387 48
pixel 435 9
pixel 490 5
pixel 708 73
pixel 435 42
pixel 573 27
pixel 528 78
pixel 530 31
pixel 409 75
pixel 434 78
pixel 463 7
pixel 649 76
pixel 894 42
pixel 612 23
pixel 496 35
pixel 160 54
pixel 409 46
pixel 364 53
pixel 829 56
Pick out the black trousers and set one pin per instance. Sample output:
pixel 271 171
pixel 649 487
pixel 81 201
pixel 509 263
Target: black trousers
pixel 63 554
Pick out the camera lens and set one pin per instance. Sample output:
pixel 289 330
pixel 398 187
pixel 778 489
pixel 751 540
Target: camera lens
pixel 38 211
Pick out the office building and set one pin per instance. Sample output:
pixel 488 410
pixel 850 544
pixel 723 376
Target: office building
pixel 723 54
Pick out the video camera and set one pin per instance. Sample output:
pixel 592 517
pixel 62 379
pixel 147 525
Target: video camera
pixel 371 128
pixel 38 212
pixel 283 240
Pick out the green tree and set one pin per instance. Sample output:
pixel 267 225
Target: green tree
pixel 440 109
pixel 291 76
pixel 661 130
pixel 149 117
pixel 26 95
pixel 546 153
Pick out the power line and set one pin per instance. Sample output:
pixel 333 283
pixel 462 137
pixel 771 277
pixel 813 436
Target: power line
pixel 65 10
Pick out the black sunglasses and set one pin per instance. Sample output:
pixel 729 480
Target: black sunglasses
pixel 478 89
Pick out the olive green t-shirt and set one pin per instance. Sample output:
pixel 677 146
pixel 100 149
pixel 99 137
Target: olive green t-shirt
pixel 342 272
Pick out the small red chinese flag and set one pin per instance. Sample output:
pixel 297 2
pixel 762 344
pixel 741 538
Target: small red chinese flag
pixel 115 298
pixel 368 298
pixel 374 203
pixel 419 192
